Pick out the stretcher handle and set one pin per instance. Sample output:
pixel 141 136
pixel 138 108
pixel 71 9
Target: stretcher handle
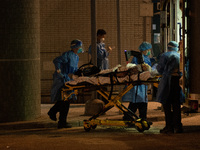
pixel 126 55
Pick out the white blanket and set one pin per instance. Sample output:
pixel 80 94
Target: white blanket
pixel 101 80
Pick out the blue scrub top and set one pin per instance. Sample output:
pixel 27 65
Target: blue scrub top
pixel 102 56
pixel 169 61
pixel 137 94
pixel 68 64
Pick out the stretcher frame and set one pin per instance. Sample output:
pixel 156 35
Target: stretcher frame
pixel 111 101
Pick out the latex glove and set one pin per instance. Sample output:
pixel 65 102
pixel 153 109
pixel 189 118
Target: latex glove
pixel 58 71
pixel 110 48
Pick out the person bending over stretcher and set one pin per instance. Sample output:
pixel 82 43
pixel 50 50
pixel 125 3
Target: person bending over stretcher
pixel 65 66
pixel 137 96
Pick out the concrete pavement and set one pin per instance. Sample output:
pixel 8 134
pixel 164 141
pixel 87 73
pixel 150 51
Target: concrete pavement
pixel 76 117
pixel 42 133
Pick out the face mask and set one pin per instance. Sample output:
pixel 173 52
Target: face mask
pixel 148 53
pixel 80 50
pixel 102 40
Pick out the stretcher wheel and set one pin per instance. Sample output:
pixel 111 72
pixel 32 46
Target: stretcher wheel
pixel 94 126
pixel 87 125
pixel 87 129
pixel 142 125
pixel 139 127
pixel 146 125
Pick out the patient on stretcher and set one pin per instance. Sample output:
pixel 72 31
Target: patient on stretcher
pixel 123 74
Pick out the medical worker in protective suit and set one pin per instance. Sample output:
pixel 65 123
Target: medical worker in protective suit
pixel 102 52
pixel 65 66
pixel 169 91
pixel 137 96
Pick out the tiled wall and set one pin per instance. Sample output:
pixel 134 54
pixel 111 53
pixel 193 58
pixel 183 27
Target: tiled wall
pixel 61 21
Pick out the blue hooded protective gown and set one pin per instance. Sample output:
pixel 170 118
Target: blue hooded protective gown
pixel 102 56
pixel 68 64
pixel 137 94
pixel 169 61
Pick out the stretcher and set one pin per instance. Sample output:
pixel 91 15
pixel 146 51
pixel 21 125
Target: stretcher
pixel 111 99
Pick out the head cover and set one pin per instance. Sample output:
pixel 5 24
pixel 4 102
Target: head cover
pixel 76 44
pixel 145 46
pixel 172 45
